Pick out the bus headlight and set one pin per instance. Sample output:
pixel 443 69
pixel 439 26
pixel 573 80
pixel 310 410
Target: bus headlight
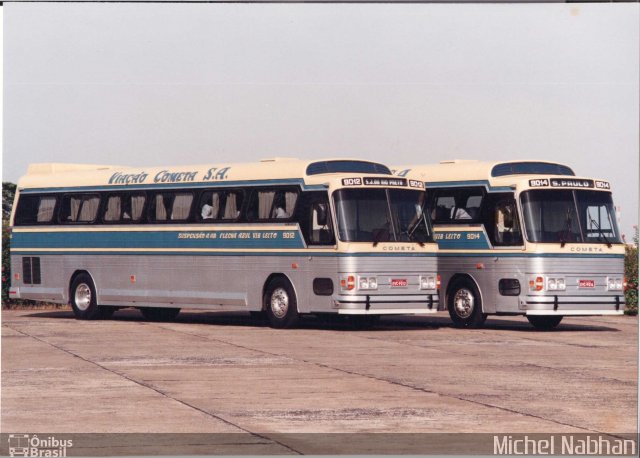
pixel 615 283
pixel 556 284
pixel 427 282
pixel 367 283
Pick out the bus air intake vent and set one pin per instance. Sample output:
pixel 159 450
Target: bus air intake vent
pixel 530 168
pixel 318 168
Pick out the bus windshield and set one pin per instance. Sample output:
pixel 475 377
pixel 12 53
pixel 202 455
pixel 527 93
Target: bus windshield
pixel 565 216
pixel 382 215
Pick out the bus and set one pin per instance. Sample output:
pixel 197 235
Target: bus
pixel 282 237
pixel 523 238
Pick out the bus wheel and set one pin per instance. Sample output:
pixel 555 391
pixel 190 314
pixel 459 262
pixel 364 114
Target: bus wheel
pixel 280 304
pixel 83 299
pixel 465 305
pixel 544 323
pixel 159 313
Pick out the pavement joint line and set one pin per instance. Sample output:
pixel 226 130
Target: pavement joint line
pixel 393 382
pixel 150 387
pixel 540 366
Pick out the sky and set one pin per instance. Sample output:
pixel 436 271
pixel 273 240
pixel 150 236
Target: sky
pixel 159 84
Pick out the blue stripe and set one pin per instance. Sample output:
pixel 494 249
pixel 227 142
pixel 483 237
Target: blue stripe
pixel 477 242
pixel 188 185
pixel 455 184
pixel 160 239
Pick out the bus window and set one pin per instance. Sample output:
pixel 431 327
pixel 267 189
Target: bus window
pixel 34 210
pixel 181 206
pixel 171 206
pixel 443 208
pixel 597 216
pixel 314 217
pixel 272 204
pixel 79 208
pixel 232 205
pixel 503 226
pixel 457 205
pixel 124 208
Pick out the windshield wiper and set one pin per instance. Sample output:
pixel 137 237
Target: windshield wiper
pixel 412 229
pixel 566 229
pixel 593 221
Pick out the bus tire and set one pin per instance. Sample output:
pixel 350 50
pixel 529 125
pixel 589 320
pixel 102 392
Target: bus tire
pixel 544 322
pixel 281 304
pixel 159 313
pixel 465 305
pixel 83 298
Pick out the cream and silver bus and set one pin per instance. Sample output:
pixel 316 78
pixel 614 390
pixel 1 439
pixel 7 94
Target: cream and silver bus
pixel 282 236
pixel 523 238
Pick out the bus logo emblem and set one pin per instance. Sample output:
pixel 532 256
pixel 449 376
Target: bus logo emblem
pixel 586 284
pixel 399 282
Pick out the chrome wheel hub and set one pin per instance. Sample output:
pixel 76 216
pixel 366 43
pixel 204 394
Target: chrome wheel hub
pixel 83 296
pixel 463 303
pixel 279 302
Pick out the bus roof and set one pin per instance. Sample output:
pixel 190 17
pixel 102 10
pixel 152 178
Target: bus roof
pixel 463 170
pixel 54 175
pixel 496 174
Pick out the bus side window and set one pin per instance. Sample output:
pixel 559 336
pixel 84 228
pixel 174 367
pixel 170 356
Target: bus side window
pixel 123 208
pixel 443 208
pixel 314 217
pixel 114 209
pixel 34 210
pixel 79 208
pixel 181 208
pixel 506 228
pixel 209 205
pixel 232 205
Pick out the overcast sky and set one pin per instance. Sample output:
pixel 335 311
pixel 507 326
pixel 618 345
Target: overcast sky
pixel 141 84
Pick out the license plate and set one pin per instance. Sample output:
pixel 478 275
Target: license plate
pixel 399 282
pixel 586 284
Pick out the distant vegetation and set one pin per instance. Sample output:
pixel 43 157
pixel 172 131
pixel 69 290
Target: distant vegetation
pixel 9 191
pixel 631 274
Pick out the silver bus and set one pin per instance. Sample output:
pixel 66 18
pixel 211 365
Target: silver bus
pixel 523 238
pixel 281 237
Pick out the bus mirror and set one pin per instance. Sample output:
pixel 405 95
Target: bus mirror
pixel 321 214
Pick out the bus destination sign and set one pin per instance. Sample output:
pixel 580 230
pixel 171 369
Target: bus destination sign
pixel 568 183
pixel 382 181
pixel 371 181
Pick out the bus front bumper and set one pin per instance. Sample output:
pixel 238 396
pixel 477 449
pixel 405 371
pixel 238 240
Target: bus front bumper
pixel 574 305
pixel 385 305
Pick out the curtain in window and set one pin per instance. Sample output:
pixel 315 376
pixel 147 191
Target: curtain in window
pixel 265 201
pixel 89 209
pixel 161 211
pixel 137 203
pixel 215 204
pixel 181 207
pixel 231 208
pixel 290 201
pixel 113 209
pixel 74 208
pixel 45 209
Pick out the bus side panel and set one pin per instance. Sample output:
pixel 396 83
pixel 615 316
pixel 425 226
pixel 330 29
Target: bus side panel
pixel 204 281
pixel 40 278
